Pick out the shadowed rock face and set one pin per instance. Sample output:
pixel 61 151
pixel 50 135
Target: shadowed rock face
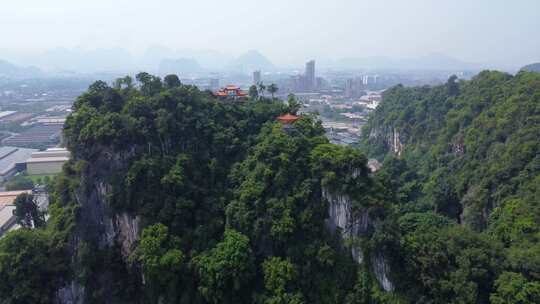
pixel 353 226
pixel 71 294
pixel 128 231
pixel 382 270
pixel 392 138
pixel 97 224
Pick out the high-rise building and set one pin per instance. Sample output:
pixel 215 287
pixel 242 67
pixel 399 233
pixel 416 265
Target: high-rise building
pixel 365 79
pixel 320 83
pixel 296 83
pixel 349 87
pixel 354 87
pixel 310 75
pixel 256 77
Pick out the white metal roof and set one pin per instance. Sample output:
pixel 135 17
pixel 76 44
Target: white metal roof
pixel 47 159
pixel 9 156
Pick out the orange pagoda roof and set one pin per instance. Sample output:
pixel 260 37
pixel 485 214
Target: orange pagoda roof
pixel 288 118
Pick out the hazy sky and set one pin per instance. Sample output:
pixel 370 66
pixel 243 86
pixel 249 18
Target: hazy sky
pixel 485 31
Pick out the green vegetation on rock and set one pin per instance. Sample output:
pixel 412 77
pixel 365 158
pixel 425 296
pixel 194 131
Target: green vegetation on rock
pixel 462 161
pixel 173 196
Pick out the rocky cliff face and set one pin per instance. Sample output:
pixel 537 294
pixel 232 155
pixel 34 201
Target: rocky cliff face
pixel 99 225
pixel 354 225
pixel 391 138
pixel 397 146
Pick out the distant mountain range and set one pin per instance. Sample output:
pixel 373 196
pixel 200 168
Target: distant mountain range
pixel 194 62
pixel 533 67
pixel 180 66
pixel 250 61
pixel 245 63
pixel 155 59
pixel 9 70
pixel 207 59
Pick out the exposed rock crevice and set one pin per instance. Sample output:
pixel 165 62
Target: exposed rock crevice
pixel 354 225
pixel 392 138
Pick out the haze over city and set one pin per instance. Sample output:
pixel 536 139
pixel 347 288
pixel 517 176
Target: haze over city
pixel 486 34
pixel 270 152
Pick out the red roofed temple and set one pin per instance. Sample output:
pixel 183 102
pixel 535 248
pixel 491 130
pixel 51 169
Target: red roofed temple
pixel 287 118
pixel 230 92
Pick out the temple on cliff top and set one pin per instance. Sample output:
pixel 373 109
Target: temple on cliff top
pixel 287 118
pixel 287 121
pixel 231 92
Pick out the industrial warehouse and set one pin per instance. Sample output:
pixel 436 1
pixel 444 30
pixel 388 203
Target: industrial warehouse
pixel 13 160
pixel 47 162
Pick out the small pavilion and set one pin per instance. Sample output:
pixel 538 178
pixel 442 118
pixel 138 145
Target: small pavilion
pixel 287 118
pixel 287 121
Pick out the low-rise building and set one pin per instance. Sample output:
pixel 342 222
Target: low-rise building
pixel 40 135
pixel 4 114
pixel 306 97
pixel 12 160
pixel 47 162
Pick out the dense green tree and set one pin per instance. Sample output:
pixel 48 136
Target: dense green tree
pixel 452 86
pixel 438 190
pixel 253 92
pixel 293 104
pixel 171 81
pixel 150 84
pixel 27 211
pixel 124 82
pixel 278 274
pixel 19 182
pixel 262 88
pixel 161 261
pixel 362 293
pixel 226 270
pixel 452 265
pixel 32 269
pixel 272 89
pixel 514 288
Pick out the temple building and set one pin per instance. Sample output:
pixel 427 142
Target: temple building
pixel 287 118
pixel 287 121
pixel 231 92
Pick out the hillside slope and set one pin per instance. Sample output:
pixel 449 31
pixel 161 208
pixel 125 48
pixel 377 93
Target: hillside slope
pixel 470 152
pixel 481 138
pixel 173 196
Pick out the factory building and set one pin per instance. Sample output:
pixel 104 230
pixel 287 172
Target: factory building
pixel 12 160
pixel 47 162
